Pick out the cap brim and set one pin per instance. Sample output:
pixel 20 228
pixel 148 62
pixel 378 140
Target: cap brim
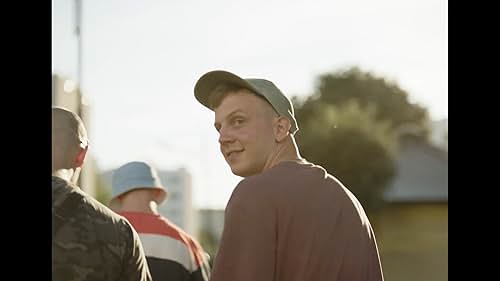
pixel 207 83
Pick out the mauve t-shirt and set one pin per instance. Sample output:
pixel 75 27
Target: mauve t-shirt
pixel 295 222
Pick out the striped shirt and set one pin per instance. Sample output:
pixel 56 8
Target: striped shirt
pixel 172 254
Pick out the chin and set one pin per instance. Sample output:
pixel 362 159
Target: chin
pixel 242 172
pixel 237 172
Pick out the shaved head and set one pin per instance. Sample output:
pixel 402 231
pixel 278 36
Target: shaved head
pixel 69 138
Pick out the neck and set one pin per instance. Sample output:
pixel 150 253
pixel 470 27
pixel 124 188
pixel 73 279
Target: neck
pixel 286 151
pixel 141 206
pixel 70 175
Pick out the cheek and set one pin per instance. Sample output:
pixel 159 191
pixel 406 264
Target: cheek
pixel 256 137
pixel 260 144
pixel 246 136
pixel 264 135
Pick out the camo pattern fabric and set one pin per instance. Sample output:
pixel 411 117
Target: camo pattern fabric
pixel 91 242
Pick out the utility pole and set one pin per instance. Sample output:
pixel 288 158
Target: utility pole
pixel 87 173
pixel 78 32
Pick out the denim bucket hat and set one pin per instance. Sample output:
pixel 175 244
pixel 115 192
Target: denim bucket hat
pixel 134 175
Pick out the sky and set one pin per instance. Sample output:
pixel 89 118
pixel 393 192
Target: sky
pixel 141 60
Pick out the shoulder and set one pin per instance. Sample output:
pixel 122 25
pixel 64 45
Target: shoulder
pixel 251 188
pixel 258 185
pixel 88 233
pixel 102 214
pixel 86 213
pixel 273 181
pixel 196 251
pixel 252 195
pixel 191 243
pixel 181 234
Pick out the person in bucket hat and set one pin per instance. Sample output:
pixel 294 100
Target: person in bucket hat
pixel 287 219
pixel 172 254
pixel 136 176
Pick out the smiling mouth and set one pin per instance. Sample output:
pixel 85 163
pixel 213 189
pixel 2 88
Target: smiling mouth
pixel 232 153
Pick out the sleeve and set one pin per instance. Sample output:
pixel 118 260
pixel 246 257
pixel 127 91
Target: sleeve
pixel 202 272
pixel 135 267
pixel 248 245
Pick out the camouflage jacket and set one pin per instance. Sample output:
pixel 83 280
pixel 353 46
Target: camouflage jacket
pixel 91 242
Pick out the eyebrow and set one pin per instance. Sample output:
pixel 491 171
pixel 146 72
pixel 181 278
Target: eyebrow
pixel 234 112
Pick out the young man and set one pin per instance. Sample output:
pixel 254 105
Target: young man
pixel 288 219
pixel 172 254
pixel 89 241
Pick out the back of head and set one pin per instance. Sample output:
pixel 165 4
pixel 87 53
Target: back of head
pixel 135 175
pixel 69 136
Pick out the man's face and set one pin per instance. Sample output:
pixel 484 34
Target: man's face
pixel 245 125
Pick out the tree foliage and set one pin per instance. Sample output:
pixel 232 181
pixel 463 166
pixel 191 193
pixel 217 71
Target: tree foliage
pixel 353 146
pixel 102 190
pixel 351 126
pixel 390 101
pixel 209 243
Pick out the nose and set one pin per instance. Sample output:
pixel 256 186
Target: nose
pixel 224 136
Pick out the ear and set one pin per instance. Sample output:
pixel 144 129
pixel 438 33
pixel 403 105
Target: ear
pixel 156 195
pixel 281 128
pixel 80 157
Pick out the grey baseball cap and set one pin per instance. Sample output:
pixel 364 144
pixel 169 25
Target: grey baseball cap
pixel 208 82
pixel 133 175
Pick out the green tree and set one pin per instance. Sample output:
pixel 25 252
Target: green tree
pixel 209 243
pixel 390 101
pixel 102 190
pixel 351 125
pixel 352 145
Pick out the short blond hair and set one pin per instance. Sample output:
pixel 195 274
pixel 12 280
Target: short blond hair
pixel 220 92
pixel 224 89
